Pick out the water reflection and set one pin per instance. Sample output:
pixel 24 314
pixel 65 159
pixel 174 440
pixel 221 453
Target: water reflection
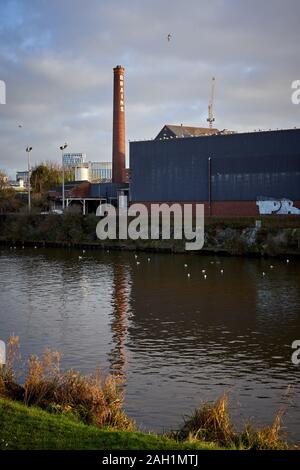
pixel 119 319
pixel 171 339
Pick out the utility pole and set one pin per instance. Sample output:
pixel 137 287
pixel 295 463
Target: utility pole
pixel 62 148
pixel 28 150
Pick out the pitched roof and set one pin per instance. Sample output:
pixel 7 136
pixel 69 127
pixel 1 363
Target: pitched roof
pixel 187 131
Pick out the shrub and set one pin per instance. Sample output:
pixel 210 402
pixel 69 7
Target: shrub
pixel 88 398
pixel 8 385
pixel 211 422
pixel 268 438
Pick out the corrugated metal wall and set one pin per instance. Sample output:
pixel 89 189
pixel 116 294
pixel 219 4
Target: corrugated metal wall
pixel 106 190
pixel 244 166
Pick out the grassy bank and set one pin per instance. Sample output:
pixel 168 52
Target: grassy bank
pixel 56 409
pixel 277 236
pixel 28 428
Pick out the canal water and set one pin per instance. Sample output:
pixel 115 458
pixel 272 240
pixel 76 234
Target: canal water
pixel 176 339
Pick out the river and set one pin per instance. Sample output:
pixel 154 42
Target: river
pixel 176 339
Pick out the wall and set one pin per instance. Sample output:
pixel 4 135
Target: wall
pixel 243 167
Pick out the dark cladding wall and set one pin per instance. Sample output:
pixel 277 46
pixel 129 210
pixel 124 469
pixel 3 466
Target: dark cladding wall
pixel 244 167
pixel 106 190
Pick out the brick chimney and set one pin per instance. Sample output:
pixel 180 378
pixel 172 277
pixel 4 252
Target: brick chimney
pixel 118 152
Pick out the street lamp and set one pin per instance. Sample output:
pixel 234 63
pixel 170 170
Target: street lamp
pixel 28 150
pixel 62 148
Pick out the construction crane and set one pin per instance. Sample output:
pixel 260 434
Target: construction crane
pixel 211 118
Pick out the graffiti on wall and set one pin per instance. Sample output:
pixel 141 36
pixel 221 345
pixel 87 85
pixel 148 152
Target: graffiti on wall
pixel 277 206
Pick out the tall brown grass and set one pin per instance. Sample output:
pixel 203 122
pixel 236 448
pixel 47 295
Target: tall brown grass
pixel 89 398
pixel 209 422
pixel 267 438
pixel 8 375
pixel 212 422
pixel 42 379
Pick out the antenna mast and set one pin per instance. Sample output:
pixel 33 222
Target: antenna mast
pixel 211 118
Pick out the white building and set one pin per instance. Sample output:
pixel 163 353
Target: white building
pixel 73 159
pixel 88 171
pixel 22 175
pixel 82 172
pixel 100 171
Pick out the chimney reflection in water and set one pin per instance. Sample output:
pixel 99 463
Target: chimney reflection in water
pixel 119 324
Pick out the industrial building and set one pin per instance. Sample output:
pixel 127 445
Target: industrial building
pixel 86 196
pixel 230 173
pixel 83 192
pixel 22 176
pixel 100 171
pixel 93 172
pixel 73 159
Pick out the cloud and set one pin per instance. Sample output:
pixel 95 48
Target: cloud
pixel 57 58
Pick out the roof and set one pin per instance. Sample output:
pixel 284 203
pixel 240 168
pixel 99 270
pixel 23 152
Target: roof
pixel 185 131
pixel 80 188
pixel 85 189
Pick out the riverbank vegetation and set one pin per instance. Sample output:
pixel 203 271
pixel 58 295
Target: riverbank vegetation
pixel 212 422
pixel 91 399
pixel 56 409
pixel 277 236
pixel 8 200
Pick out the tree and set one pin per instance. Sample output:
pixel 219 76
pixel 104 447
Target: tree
pixel 8 200
pixel 46 176
pixel 3 180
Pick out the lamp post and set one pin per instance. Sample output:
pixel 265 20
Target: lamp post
pixel 28 150
pixel 62 148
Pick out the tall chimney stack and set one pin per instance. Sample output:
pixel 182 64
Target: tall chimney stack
pixel 118 157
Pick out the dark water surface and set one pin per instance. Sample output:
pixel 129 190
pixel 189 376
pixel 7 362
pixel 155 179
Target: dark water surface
pixel 176 340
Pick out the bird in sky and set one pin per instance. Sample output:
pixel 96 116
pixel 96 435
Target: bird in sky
pixel 169 37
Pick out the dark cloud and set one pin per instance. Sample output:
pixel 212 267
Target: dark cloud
pixel 57 58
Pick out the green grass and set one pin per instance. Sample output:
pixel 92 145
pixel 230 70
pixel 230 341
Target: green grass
pixel 30 428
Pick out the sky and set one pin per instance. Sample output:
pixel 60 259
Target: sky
pixel 57 59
